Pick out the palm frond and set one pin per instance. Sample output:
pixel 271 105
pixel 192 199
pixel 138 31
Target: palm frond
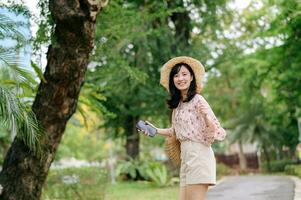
pixel 12 74
pixel 11 65
pixel 8 57
pixel 15 79
pixel 11 29
pixel 20 120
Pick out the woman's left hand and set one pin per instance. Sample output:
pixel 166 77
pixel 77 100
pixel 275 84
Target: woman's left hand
pixel 150 124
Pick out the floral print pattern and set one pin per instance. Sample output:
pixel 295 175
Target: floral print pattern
pixel 195 121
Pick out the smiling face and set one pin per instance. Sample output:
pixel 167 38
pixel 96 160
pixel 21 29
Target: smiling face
pixel 182 79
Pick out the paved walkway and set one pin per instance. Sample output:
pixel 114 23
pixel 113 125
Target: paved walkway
pixel 253 188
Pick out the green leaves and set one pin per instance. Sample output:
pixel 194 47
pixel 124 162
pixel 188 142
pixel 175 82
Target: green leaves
pixel 38 71
pixel 159 175
pixel 17 87
pixel 148 170
pixel 21 121
pixel 133 168
pixel 257 91
pixel 11 29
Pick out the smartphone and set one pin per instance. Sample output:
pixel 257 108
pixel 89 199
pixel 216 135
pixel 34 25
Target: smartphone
pixel 142 125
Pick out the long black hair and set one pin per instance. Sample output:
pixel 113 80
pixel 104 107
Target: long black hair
pixel 175 94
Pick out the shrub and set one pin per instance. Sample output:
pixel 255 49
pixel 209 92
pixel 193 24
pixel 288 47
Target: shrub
pixel 143 169
pixel 222 170
pixel 293 170
pixel 75 183
pixel 276 165
pixel 134 169
pixel 158 174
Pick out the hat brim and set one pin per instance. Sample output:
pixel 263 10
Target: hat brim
pixel 196 66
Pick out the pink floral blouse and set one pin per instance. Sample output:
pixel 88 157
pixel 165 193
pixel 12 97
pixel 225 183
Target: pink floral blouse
pixel 195 120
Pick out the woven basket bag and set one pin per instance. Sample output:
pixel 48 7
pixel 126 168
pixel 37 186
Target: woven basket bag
pixel 173 148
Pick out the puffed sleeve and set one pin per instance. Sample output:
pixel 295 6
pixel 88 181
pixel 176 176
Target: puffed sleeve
pixel 213 130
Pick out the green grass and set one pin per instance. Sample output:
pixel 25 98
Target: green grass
pixel 140 190
pixel 75 184
pixel 91 183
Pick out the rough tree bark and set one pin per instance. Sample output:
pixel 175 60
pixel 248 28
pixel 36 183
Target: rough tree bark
pixel 24 174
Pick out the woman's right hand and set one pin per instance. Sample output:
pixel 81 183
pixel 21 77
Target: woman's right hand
pixel 144 132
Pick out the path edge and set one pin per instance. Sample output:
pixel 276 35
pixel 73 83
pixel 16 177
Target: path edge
pixel 297 189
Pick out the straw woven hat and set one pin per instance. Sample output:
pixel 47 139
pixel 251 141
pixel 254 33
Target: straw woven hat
pixel 195 65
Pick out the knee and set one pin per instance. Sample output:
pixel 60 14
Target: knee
pixel 196 192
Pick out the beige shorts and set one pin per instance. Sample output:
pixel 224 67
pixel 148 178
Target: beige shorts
pixel 198 165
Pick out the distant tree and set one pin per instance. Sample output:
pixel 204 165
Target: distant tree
pixel 257 64
pixel 144 35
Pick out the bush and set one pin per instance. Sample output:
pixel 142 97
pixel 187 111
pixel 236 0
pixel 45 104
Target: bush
pixel 158 174
pixel 134 169
pixel 276 165
pixel 75 183
pixel 293 170
pixel 222 170
pixel 143 169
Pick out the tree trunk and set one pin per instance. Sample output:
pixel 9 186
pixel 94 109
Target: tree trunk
pixel 23 173
pixel 132 137
pixel 183 26
pixel 267 157
pixel 241 156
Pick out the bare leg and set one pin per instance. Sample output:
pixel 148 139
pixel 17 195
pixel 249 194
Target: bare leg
pixel 196 191
pixel 182 195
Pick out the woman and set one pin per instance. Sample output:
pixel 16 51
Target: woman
pixel 194 124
